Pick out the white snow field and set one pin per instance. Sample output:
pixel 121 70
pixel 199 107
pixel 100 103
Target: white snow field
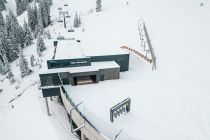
pixel 170 103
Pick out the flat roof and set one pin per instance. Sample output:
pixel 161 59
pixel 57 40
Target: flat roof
pixel 95 66
pixel 69 49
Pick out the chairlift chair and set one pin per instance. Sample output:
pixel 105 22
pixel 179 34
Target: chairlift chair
pixel 71 30
pixel 68 16
pixel 59 8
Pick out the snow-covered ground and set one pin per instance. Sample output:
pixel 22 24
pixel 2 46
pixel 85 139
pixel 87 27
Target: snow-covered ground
pixel 169 103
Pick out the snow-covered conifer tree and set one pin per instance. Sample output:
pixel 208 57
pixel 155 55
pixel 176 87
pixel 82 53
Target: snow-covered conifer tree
pixel 10 76
pixel 98 5
pixel 19 7
pixel 24 69
pixel 2 5
pixel 40 45
pixel 6 63
pixel 77 20
pixel 28 39
pixel 2 22
pixel 2 71
pixel 32 17
pixel 45 12
pixel 40 27
pixel 32 60
pixel 47 34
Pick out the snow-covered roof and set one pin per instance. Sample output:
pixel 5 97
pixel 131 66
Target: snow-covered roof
pixel 95 66
pixel 67 49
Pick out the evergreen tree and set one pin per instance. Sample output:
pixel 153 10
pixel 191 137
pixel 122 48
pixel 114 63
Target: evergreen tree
pixel 6 63
pixel 47 34
pixel 6 46
pixel 77 21
pixel 40 46
pixel 45 12
pixel 19 7
pixel 2 5
pixel 2 22
pixel 32 60
pixel 24 69
pixel 27 34
pixel 36 32
pixel 11 49
pixel 24 4
pixel 16 31
pixel 40 27
pixel 2 71
pixel 32 17
pixel 98 5
pixel 10 76
pixel 8 24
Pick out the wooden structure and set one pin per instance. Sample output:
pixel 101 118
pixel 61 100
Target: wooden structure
pixel 137 53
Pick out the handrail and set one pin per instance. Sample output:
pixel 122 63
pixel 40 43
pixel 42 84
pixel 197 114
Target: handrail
pixel 73 104
pixel 150 47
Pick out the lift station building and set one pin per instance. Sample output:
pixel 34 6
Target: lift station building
pixel 69 68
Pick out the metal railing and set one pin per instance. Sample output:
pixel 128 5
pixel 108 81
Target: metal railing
pixel 142 29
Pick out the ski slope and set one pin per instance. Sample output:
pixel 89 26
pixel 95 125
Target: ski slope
pixel 171 102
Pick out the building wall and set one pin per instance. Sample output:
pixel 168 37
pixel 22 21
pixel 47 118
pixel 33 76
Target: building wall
pixel 109 74
pixel 62 63
pixel 54 76
pixel 53 91
pixel 122 60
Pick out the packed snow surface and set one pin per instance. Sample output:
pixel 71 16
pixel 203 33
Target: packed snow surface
pixel 171 102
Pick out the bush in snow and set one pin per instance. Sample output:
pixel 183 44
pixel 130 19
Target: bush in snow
pixel 40 46
pixel 98 5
